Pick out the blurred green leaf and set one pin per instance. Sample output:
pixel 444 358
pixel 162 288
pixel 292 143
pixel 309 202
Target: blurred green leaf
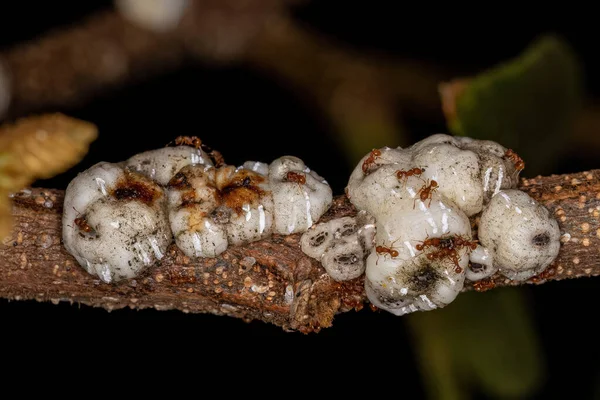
pixel 481 342
pixel 527 103
pixel 363 128
pixel 500 343
pixel 436 357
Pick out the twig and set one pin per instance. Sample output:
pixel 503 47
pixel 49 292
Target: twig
pixel 71 65
pixel 270 280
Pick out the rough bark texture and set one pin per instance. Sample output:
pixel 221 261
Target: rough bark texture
pixel 271 280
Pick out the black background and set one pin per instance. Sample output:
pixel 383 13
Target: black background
pixel 236 110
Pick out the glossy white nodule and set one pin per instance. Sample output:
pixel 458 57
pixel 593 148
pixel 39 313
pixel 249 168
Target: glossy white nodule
pixel 422 197
pixel 298 205
pixel 520 233
pixel 341 245
pixel 114 236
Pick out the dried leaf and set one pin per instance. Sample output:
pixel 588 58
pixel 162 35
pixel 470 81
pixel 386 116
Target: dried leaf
pixel 43 146
pixel 39 147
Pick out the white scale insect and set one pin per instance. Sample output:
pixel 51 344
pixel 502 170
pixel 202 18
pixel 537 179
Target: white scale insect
pixel 412 237
pixel 429 191
pixel 203 208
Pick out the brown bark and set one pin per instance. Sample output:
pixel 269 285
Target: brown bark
pixel 105 51
pixel 271 280
pixel 71 65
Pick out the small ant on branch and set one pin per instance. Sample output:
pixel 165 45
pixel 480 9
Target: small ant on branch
pixel 81 223
pixel 383 250
pixel 216 156
pixel 447 248
pixel 386 250
pixel 375 153
pixel 296 177
pixel 192 141
pixel 514 157
pixel 426 192
pixel 196 142
pixel 404 174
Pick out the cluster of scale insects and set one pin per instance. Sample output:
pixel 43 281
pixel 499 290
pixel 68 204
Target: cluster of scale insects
pixel 195 142
pixel 429 186
pixel 445 247
pixel 442 248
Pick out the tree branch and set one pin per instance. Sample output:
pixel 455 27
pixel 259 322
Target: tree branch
pixel 104 51
pixel 74 64
pixel 270 280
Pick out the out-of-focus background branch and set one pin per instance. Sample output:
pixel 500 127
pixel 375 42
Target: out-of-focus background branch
pixel 327 82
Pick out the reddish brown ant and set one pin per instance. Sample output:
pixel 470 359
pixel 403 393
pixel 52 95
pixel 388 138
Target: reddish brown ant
pixel 370 160
pixel 459 241
pixel 196 142
pixel 427 243
pixel 296 177
pixel 217 158
pixel 81 223
pixel 426 192
pixel 514 157
pixel 484 285
pixel 401 174
pixel 447 248
pixel 450 253
pixel 383 250
pixel 547 273
pixel 192 141
pixel 404 174
pixel 386 250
